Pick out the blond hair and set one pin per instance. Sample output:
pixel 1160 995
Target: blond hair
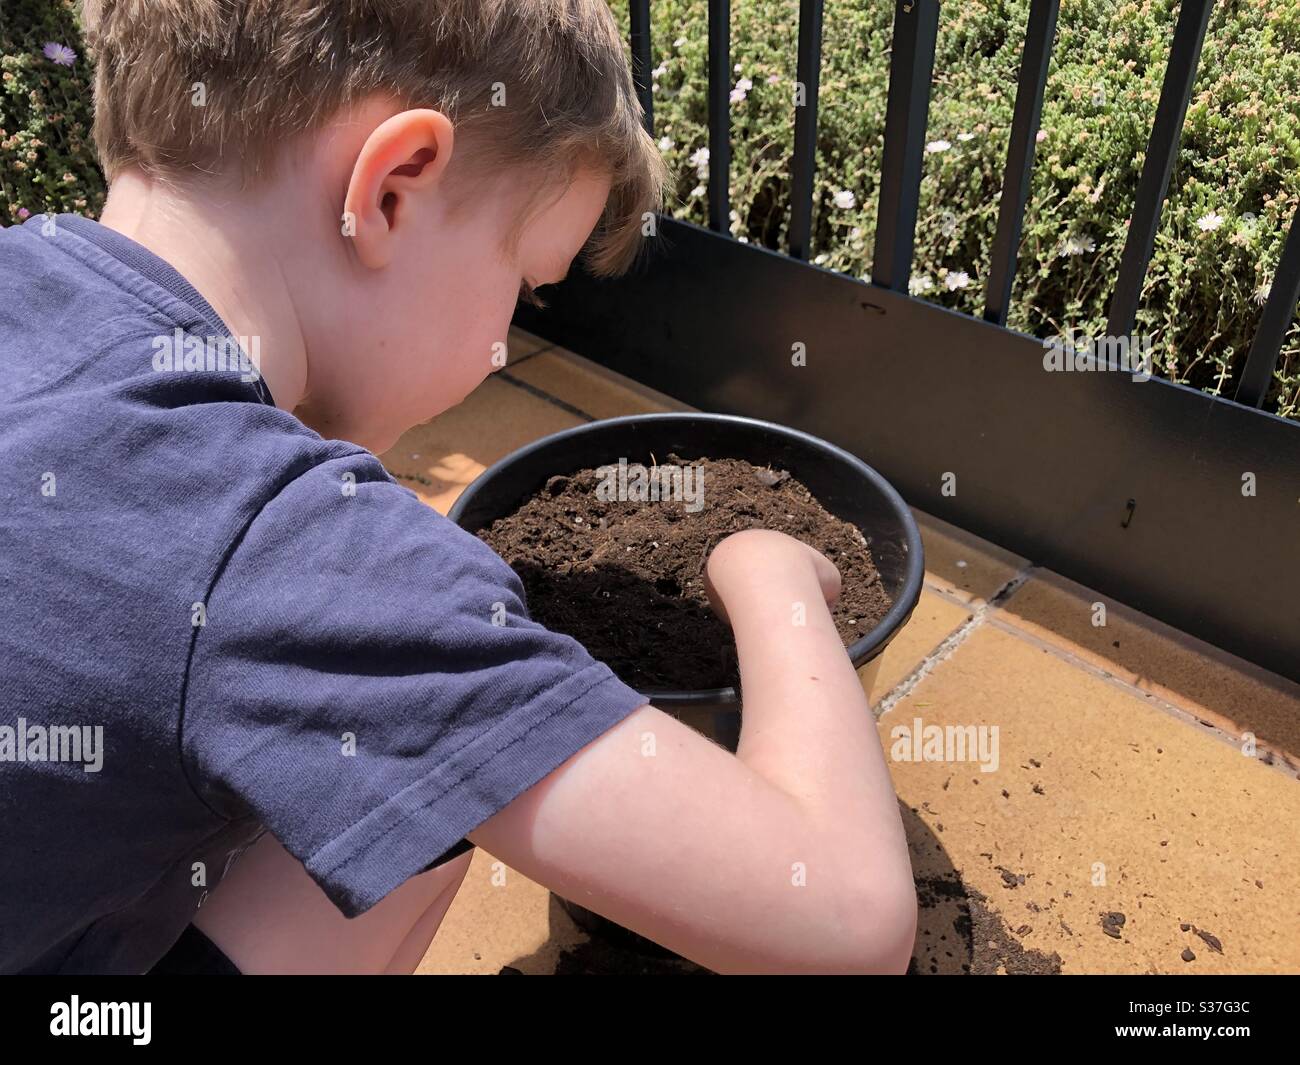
pixel 539 83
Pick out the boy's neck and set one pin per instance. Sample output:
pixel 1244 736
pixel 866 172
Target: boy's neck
pixel 226 247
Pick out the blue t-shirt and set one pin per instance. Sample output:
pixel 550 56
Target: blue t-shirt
pixel 213 622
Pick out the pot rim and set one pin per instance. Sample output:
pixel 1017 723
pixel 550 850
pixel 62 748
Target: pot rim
pixel 862 650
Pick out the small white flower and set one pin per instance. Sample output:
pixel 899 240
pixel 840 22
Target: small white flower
pixel 741 90
pixel 1080 244
pixel 820 260
pixel 659 71
pixel 773 79
pixel 917 285
pixel 957 279
pixel 680 42
pixel 1210 222
pixel 938 146
pixel 700 160
pixel 845 200
pixel 1262 293
pixel 965 137
pixel 699 190
pixel 1040 136
pixel 855 233
pixel 665 144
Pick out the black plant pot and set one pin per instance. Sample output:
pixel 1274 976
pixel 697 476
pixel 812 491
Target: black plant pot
pixel 845 485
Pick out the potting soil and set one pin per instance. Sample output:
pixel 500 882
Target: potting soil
pixel 614 556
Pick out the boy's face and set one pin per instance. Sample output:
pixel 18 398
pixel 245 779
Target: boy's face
pixel 431 286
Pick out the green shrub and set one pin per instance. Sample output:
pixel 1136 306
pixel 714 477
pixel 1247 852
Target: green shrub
pixel 47 161
pixel 1233 195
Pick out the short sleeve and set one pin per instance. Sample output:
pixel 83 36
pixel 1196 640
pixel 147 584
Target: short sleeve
pixel 367 682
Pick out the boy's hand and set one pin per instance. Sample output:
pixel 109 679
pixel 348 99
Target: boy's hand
pixel 746 561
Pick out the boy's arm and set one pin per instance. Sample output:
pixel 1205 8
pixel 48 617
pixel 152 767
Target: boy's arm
pixel 788 856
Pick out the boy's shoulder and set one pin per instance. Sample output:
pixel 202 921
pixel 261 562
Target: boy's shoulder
pixel 267 627
pixel 94 314
pixel 126 410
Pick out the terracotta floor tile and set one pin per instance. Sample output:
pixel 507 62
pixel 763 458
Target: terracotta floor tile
pixel 1092 782
pixel 971 569
pixel 1207 682
pixel 590 387
pixel 438 459
pixel 500 917
pixel 933 621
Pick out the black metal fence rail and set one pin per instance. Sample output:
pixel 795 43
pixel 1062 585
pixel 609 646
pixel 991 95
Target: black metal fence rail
pixel 1020 157
pixel 916 27
pixel 1058 510
pixel 1158 167
pixel 719 115
pixel 639 38
pixel 808 73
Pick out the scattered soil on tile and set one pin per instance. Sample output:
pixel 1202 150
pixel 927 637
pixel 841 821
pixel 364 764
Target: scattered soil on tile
pixel 1211 941
pixel 596 958
pixel 625 577
pixel 1113 924
pixel 995 951
pixel 979 931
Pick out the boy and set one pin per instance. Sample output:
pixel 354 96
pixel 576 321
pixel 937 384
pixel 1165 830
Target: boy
pixel 259 710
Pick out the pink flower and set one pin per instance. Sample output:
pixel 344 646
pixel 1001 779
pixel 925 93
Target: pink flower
pixel 24 213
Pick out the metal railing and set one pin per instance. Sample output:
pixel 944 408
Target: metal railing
pixel 916 27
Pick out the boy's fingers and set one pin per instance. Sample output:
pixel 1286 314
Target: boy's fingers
pixel 828 576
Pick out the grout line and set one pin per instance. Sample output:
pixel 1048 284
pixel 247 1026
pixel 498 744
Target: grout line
pixel 946 593
pixel 949 645
pixel 578 412
pixel 528 355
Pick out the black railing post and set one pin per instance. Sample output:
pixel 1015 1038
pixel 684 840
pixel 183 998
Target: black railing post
pixel 1162 150
pixel 1020 157
pixel 719 115
pixel 1278 314
pixel 916 25
pixel 639 39
pixel 805 127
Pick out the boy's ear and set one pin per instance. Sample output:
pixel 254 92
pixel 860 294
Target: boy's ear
pixel 406 153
